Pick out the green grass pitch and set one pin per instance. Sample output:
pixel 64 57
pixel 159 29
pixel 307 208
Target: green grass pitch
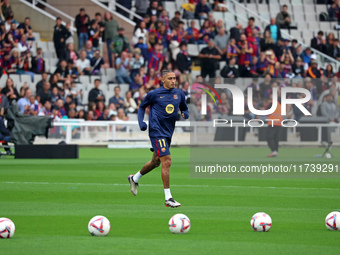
pixel 51 202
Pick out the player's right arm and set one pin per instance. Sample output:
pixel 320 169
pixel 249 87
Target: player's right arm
pixel 148 100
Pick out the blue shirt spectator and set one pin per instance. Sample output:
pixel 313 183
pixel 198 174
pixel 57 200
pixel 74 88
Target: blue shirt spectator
pixel 202 10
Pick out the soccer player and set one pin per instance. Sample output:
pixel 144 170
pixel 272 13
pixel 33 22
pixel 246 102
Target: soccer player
pixel 164 104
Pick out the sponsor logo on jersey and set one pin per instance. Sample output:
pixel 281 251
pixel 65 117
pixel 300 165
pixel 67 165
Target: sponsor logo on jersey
pixel 169 108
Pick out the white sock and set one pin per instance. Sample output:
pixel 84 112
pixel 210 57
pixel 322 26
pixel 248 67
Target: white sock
pixel 167 194
pixel 136 177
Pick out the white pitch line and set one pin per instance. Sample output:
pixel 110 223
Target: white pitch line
pixel 156 185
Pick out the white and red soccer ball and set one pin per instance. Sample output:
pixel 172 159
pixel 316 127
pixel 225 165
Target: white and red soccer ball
pixel 261 222
pixel 7 228
pixel 179 224
pixel 99 226
pixel 332 221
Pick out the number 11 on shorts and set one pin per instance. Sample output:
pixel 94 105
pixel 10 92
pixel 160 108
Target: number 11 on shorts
pixel 160 143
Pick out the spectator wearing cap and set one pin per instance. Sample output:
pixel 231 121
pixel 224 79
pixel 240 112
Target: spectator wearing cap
pixel 120 43
pixel 334 50
pixel 59 36
pixel 209 60
pixel 313 71
pixel 274 30
pixel 175 20
pixel 184 62
pixel 306 55
pixel 318 42
pixel 202 9
pixel 143 47
pixel 283 18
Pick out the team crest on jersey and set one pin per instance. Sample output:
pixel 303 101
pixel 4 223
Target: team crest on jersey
pixel 163 150
pixel 169 108
pixel 175 96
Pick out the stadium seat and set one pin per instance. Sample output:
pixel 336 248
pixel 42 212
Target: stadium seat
pixel 27 78
pixel 123 89
pixel 296 2
pixel 252 7
pixel 16 80
pixel 85 80
pixel 193 50
pixel 287 2
pixel 111 73
pixel 54 61
pixel 37 78
pixel 218 16
pixel 42 45
pixel 3 80
pixel 36 36
pixel 262 8
pixel 324 26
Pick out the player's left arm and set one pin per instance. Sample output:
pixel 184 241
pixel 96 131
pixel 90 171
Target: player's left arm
pixel 183 107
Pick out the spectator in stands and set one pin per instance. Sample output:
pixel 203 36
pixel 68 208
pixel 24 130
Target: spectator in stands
pixel 299 69
pixel 71 53
pixel 136 84
pixel 306 55
pixel 54 80
pixel 105 116
pixel 267 41
pixel 125 3
pixel 89 50
pixel 283 18
pixel 70 39
pixel 334 50
pixel 153 9
pixel 209 57
pixel 333 11
pixel 235 32
pixel 95 32
pixel 83 64
pixel 141 9
pixel 184 62
pixel 313 70
pixel 274 29
pixel 165 18
pixel 265 86
pixel 23 45
pixel 318 42
pixel 206 32
pixel 72 69
pixel 220 6
pixel 39 86
pixel 233 50
pixel 96 94
pixel 6 9
pixel 330 109
pixel 100 108
pixel 141 31
pixel 122 68
pixel 38 63
pixel 59 37
pixel 143 47
pixel 329 71
pixel 45 94
pixel 192 35
pixel 202 9
pixel 96 63
pixel 221 42
pixel 14 61
pixel 117 100
pixel 10 91
pixel 251 25
pixel 230 70
pixel 130 103
pixel 136 62
pixel 174 23
pixel 55 95
pixel 82 22
pixel 244 56
pixel 62 71
pixel 254 40
pixel 24 102
pixel 156 57
pixel 111 31
pixel 139 96
pixel 120 43
pixel 34 108
pixel 25 27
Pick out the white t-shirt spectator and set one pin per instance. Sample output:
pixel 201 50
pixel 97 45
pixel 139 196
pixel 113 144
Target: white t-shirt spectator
pixel 83 64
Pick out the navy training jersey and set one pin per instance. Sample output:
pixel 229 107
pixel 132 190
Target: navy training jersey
pixel 164 104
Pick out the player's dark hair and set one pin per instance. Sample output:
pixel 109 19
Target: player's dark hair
pixel 97 80
pixel 165 72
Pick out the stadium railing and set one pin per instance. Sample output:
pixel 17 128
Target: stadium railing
pixel 109 132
